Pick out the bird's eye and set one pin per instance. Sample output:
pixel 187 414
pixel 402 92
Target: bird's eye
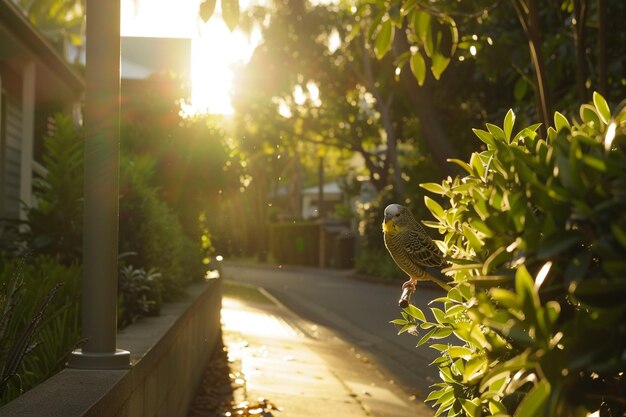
pixel 397 215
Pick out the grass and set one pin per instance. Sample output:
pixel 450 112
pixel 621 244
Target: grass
pixel 244 292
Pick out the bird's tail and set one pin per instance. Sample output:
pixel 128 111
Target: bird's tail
pixel 435 275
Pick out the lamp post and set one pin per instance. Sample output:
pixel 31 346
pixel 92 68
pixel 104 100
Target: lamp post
pixel 101 210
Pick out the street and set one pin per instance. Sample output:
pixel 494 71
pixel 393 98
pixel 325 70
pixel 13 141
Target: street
pixel 358 311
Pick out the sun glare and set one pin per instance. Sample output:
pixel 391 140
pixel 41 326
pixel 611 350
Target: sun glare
pixel 214 48
pixel 214 52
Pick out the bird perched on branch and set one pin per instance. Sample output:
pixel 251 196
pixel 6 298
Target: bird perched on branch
pixel 412 249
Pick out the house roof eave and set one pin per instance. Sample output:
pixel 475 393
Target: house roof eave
pixel 15 21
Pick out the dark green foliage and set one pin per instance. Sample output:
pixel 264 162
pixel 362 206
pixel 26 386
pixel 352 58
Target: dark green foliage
pixel 47 327
pixel 149 228
pixel 535 233
pixel 138 294
pixel 378 263
pixel 56 221
pixel 295 243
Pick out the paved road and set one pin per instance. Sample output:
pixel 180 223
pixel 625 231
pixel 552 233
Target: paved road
pixel 357 310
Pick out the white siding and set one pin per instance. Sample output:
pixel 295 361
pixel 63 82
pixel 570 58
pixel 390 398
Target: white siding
pixel 12 158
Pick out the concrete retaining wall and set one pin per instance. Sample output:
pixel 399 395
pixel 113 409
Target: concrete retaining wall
pixel 169 354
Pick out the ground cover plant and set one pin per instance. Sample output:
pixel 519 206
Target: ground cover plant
pixel 535 235
pixel 40 323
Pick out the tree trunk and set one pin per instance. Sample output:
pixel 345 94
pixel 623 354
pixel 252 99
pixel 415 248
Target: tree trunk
pixel 260 226
pixel 602 64
pixel 580 16
pixel 433 134
pixel 391 153
pixel 528 15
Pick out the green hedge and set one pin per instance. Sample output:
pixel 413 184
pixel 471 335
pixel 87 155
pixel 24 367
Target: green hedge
pixel 295 243
pixel 150 229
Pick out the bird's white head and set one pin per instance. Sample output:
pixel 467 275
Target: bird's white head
pixel 392 213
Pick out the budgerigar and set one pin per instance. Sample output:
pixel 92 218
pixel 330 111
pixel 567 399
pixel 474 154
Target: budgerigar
pixel 412 248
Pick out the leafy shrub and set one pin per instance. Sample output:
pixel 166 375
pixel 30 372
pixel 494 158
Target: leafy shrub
pixel 55 222
pixel 536 237
pixel 295 243
pixel 378 263
pixel 138 294
pixel 149 228
pixel 58 331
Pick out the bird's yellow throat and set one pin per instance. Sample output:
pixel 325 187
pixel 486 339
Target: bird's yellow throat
pixel 389 227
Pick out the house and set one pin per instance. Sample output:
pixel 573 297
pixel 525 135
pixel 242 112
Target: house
pixel 35 82
pixel 144 56
pixel 333 196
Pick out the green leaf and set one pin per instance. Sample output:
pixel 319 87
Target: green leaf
pixel 459 352
pixel 496 407
pixel 524 285
pixel 435 395
pixel 230 13
pixel 434 207
pixel 480 226
pixel 421 27
pixel 506 298
pixel 455 310
pixel 439 346
pixel 454 35
pixel 384 39
pixel 207 8
pixel 589 115
pixel 475 242
pixel 395 15
pixel 477 163
pixel 602 107
pixel 496 131
pixel 433 187
pixel 519 91
pixel 484 136
pixel 534 403
pixel 439 64
pixel 418 67
pixel 461 163
pixel 406 328
pixel 594 162
pixel 375 24
pixel 408 6
pixel 402 59
pixel 439 315
pixel 415 312
pixel 619 234
pixel 561 122
pixel 426 337
pixel 509 121
pixel 441 333
pixel 470 407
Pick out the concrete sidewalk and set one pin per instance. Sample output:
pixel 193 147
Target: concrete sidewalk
pixel 304 369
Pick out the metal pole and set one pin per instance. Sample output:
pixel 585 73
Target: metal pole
pixel 101 211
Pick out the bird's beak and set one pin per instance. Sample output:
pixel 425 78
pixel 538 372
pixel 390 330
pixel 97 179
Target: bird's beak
pixel 388 217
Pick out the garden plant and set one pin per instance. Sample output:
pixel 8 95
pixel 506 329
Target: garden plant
pixel 535 236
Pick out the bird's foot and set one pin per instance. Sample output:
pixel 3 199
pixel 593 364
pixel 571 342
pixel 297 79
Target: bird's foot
pixel 408 288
